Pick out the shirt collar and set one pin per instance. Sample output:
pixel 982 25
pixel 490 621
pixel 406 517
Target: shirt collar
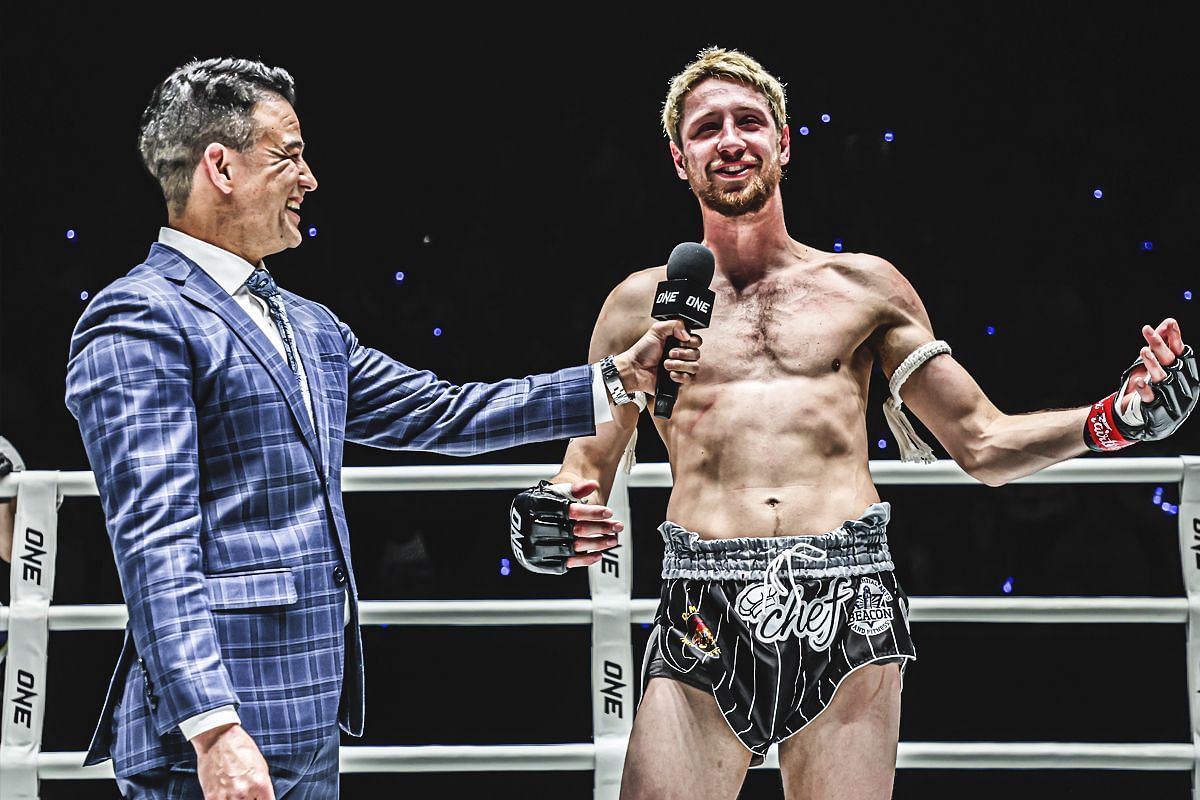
pixel 229 271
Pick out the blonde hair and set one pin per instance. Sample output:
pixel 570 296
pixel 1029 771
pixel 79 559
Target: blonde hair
pixel 719 62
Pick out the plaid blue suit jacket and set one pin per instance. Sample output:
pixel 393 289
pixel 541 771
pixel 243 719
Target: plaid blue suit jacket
pixel 223 501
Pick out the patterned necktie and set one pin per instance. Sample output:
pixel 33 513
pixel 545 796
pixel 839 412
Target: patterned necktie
pixel 261 284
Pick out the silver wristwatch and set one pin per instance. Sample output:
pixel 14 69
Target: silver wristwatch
pixel 612 380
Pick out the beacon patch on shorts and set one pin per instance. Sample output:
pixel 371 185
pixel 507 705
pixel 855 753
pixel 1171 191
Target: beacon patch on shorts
pixel 872 612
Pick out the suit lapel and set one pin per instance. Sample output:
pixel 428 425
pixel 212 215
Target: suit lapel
pixel 201 289
pixel 306 342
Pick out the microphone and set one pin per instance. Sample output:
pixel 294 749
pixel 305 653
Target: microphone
pixel 683 295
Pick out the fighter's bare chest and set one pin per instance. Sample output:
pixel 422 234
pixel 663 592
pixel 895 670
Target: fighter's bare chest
pixel 783 329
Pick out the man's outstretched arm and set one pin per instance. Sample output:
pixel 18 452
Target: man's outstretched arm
pixel 1153 398
pixel 1155 395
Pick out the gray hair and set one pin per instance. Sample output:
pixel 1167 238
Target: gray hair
pixel 201 102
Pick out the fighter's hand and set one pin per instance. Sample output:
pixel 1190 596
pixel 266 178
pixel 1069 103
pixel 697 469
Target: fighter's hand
pixel 230 766
pixel 10 461
pixel 552 527
pixel 8 516
pixel 1154 397
pixel 639 364
pixel 1163 345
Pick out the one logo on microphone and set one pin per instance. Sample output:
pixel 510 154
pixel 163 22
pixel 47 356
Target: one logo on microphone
pixel 872 612
pixel 684 299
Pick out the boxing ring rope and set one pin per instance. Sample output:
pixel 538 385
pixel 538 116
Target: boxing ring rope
pixel 610 611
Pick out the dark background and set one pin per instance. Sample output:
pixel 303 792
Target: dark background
pixel 510 162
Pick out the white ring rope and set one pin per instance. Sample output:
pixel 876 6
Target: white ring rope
pixel 484 613
pixel 82 483
pixel 582 756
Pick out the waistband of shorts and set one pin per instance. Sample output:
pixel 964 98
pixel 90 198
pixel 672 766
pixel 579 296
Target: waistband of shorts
pixel 858 547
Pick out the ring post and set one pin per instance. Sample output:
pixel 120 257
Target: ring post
pixel 1189 551
pixel 611 582
pixel 35 545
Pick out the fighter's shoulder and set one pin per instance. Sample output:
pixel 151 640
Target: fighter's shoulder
pixel 872 272
pixel 635 293
pixel 864 266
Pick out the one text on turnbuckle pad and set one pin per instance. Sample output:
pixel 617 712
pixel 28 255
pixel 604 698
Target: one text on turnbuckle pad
pixel 23 699
pixel 34 545
pixel 1196 539
pixel 610 563
pixel 614 698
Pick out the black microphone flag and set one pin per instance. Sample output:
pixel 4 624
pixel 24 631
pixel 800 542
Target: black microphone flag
pixel 683 295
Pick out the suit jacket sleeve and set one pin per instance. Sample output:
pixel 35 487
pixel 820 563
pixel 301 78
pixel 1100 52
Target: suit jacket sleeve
pixel 393 406
pixel 129 385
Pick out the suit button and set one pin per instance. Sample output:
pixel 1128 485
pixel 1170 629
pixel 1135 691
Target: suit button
pixel 339 575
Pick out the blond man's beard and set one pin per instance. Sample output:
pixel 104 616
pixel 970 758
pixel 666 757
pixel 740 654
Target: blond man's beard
pixel 747 200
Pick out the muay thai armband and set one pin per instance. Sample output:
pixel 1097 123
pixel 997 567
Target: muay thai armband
pixel 541 528
pixel 912 448
pixel 1108 429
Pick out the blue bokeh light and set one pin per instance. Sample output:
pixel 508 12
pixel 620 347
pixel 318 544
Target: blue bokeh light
pixel 398 277
pixel 881 444
pixel 1147 245
pixel 70 234
pixel 825 118
pixel 1007 588
pixel 437 331
pixel 837 245
pixel 1187 294
pixel 888 136
pixel 1097 193
pixel 803 130
pixel 84 295
pixel 312 231
pixel 991 330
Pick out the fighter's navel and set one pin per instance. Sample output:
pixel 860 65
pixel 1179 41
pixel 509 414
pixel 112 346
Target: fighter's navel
pixel 772 501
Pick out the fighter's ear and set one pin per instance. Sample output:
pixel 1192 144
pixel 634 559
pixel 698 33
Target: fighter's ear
pixel 680 161
pixel 785 145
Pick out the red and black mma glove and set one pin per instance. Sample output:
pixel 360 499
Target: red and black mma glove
pixel 1107 430
pixel 541 528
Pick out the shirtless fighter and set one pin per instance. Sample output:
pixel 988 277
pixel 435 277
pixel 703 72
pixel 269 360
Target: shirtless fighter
pixel 780 619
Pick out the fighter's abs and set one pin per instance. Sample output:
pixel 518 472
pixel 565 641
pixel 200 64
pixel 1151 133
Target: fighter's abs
pixel 773 455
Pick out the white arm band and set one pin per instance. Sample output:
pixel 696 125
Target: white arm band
pixel 911 446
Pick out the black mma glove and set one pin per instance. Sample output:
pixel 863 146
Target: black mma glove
pixel 1174 398
pixel 540 528
pixel 10 459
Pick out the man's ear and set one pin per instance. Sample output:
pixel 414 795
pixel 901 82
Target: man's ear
pixel 785 145
pixel 216 167
pixel 680 161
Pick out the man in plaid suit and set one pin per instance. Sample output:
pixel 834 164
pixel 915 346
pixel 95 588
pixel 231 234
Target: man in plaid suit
pixel 213 407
